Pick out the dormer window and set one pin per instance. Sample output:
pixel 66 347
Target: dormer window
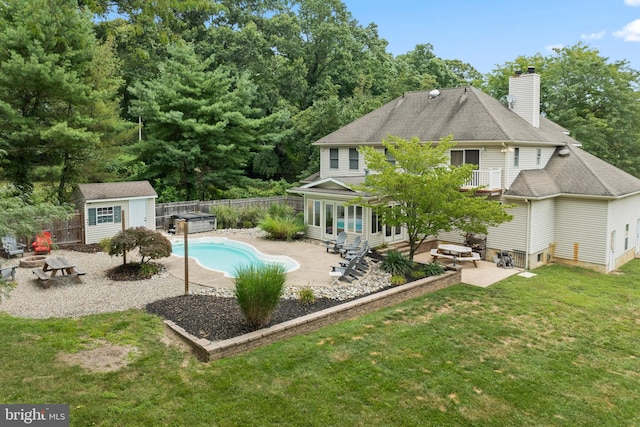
pixel 334 159
pixel 354 160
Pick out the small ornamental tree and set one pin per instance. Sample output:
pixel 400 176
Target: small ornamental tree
pixel 150 244
pixel 421 191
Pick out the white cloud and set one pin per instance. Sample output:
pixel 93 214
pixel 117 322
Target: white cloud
pixel 631 31
pixel 632 2
pixel 594 36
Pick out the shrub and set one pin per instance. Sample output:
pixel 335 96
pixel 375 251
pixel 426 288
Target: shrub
pixel 151 244
pixel 418 274
pixel 280 210
pixel 250 216
pixel 433 269
pixel 287 228
pixel 396 263
pixel 226 216
pixel 258 289
pixel 306 296
pixel 398 280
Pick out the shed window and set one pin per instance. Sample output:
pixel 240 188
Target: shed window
pixel 105 215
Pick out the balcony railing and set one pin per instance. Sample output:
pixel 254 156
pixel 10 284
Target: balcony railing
pixel 489 179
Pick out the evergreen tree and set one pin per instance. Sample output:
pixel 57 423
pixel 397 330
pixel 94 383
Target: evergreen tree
pixel 201 131
pixel 52 92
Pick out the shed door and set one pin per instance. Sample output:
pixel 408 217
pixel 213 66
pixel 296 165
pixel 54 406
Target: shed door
pixel 138 213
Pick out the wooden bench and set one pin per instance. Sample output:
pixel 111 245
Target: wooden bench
pixel 46 279
pixel 473 256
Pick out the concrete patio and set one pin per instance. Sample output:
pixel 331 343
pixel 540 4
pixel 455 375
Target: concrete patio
pixel 315 263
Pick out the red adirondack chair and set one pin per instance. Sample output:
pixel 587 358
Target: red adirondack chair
pixel 43 243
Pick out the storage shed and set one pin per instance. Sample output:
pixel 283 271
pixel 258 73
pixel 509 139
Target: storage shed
pixel 105 204
pixel 198 222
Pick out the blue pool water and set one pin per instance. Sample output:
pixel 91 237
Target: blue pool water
pixel 225 255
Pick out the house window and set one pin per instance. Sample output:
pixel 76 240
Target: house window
pixel 354 219
pixel 353 159
pixel 390 158
pixel 313 212
pixel 539 156
pixel 376 226
pixel 516 157
pixel 333 158
pixel 626 237
pixel 340 218
pixel 465 157
pixel 104 215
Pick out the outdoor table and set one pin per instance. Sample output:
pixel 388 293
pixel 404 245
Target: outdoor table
pixel 455 251
pixel 59 264
pixel 54 265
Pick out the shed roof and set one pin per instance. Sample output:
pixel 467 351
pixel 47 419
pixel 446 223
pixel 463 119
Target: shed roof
pixel 464 112
pixel 116 190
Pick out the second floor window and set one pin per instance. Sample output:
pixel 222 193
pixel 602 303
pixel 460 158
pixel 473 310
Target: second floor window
pixel 353 159
pixel 516 157
pixel 465 157
pixel 539 156
pixel 390 158
pixel 333 158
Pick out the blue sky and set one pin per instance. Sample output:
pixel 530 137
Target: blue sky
pixel 489 32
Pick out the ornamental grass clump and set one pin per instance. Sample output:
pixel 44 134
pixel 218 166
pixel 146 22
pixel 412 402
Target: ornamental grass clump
pixel 258 289
pixel 396 264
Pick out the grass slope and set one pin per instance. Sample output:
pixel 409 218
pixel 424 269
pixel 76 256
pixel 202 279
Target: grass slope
pixel 561 348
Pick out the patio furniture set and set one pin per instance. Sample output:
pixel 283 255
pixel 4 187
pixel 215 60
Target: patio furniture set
pixel 354 254
pixel 54 268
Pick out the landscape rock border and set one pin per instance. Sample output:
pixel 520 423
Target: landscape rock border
pixel 206 350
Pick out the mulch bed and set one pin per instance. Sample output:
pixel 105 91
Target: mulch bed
pixel 210 317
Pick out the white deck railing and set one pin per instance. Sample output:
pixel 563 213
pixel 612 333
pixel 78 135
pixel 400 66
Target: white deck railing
pixel 490 179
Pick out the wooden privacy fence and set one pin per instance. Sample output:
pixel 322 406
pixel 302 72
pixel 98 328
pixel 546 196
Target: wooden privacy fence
pixel 63 232
pixel 164 211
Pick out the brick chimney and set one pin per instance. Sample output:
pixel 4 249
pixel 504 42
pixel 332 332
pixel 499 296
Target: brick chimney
pixel 524 96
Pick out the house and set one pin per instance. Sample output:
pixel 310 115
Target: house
pixel 570 206
pixel 105 205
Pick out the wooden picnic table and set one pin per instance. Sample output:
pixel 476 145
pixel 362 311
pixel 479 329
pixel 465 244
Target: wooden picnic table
pixel 54 265
pixel 456 253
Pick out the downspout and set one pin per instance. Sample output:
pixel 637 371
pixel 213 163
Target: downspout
pixel 526 258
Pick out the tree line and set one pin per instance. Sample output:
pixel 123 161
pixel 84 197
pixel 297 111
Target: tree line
pixel 231 94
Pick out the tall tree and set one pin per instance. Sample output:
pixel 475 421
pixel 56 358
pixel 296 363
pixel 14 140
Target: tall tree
pixel 53 91
pixel 201 130
pixel 422 194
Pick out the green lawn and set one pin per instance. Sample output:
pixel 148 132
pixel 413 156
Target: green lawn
pixel 561 348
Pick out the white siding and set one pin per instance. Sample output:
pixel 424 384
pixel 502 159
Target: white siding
pixel 343 163
pixel 510 235
pixel 95 233
pixel 581 228
pixel 542 229
pixel 622 213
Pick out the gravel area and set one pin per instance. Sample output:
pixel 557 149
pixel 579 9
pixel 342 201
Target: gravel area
pixel 210 313
pixel 96 293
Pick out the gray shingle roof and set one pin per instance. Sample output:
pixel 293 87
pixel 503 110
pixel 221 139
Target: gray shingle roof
pixel 466 113
pixel 579 173
pixel 116 190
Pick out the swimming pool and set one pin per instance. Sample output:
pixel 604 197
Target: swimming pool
pixel 226 255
